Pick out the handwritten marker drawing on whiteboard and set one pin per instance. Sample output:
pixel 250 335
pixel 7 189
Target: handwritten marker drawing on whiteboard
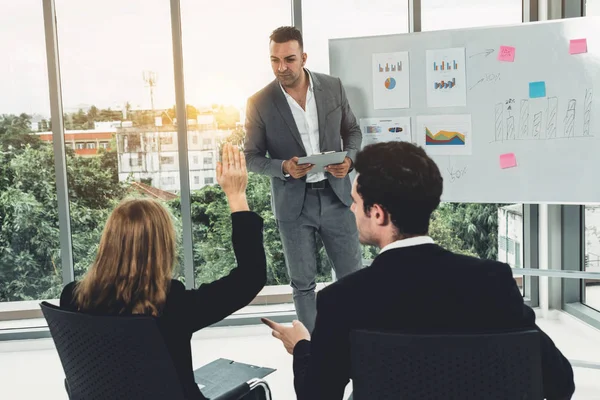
pixel 446 77
pixel 391 80
pixel 376 130
pixel 447 135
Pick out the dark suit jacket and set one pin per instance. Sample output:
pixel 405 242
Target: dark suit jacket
pixel 188 311
pixel 421 288
pixel 271 130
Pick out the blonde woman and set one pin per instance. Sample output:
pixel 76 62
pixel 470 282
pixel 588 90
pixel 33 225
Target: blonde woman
pixel 133 268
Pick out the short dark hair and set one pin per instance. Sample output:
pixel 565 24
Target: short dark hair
pixel 285 34
pixel 403 180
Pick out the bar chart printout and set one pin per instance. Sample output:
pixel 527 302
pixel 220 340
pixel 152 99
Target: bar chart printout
pixel 446 77
pixel 391 77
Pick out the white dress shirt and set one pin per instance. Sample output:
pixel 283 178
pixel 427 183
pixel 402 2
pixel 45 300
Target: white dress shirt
pixel 413 241
pixel 307 122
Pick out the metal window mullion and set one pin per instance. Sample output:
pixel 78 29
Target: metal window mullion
pixel 58 140
pixel 297 14
pixel 414 16
pixel 184 170
pixel 530 10
pixel 531 251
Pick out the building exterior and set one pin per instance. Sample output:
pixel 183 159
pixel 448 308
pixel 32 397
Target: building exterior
pixel 149 154
pixel 510 235
pixel 592 238
pixel 86 143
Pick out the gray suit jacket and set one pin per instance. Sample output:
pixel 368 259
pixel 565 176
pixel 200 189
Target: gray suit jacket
pixel 272 137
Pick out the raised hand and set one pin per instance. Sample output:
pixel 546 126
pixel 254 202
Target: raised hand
pixel 232 176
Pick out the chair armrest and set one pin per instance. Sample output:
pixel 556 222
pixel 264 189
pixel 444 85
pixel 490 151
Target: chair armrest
pixel 236 393
pixel 244 388
pixel 260 384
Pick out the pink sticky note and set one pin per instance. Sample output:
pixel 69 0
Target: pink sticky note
pixel 506 53
pixel 578 46
pixel 508 160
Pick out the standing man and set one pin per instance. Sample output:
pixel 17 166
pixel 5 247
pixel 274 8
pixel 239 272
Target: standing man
pixel 302 113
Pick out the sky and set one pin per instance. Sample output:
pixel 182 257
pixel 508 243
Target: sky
pixel 104 47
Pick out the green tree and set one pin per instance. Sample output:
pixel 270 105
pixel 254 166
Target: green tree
pixel 14 131
pixel 30 265
pixel 474 227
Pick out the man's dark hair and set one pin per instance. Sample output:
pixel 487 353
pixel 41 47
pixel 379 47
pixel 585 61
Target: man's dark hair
pixel 285 34
pixel 403 180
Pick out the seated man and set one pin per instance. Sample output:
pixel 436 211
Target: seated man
pixel 413 284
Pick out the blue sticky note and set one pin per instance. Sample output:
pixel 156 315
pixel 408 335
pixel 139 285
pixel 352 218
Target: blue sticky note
pixel 537 89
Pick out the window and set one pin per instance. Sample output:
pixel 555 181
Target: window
pixel 328 19
pixel 166 140
pixel 69 145
pixel 195 158
pixel 104 145
pixel 209 181
pixel 502 243
pixel 80 146
pixel 136 161
pixel 591 287
pixel 592 8
pixel 194 139
pixel 453 14
pixel 211 30
pixel 196 180
pixel 167 160
pixel 96 88
pixel 90 145
pixel 488 231
pixel 30 263
pixel 167 180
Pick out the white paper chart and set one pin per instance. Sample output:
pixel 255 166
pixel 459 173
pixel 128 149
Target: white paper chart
pixel 446 78
pixel 445 135
pixel 376 130
pixel 391 83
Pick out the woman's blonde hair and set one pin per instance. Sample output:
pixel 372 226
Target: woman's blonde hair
pixel 133 267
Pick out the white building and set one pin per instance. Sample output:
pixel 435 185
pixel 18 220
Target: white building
pixel 510 235
pixel 151 154
pixel 592 238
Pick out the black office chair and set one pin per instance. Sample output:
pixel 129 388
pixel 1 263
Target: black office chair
pixel 505 366
pixel 117 357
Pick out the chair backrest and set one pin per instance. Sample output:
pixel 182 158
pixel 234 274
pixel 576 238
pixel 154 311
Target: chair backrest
pixel 414 366
pixel 112 357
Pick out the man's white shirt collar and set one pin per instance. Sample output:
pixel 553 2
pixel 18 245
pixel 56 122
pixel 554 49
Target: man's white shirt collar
pixel 414 241
pixel 310 84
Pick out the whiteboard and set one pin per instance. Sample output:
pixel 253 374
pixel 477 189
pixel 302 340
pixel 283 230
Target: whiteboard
pixel 555 139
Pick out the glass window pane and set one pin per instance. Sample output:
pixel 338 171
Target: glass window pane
pixel 117 80
pixel 329 19
pixel 223 67
pixel 488 231
pixel 453 14
pixel 591 287
pixel 592 8
pixel 30 265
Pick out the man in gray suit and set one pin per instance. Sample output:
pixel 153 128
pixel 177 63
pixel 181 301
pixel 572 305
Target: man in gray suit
pixel 302 113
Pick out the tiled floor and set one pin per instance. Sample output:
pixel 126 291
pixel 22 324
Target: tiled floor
pixel 31 369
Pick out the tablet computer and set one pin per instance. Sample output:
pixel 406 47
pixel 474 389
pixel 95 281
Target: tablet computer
pixel 321 160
